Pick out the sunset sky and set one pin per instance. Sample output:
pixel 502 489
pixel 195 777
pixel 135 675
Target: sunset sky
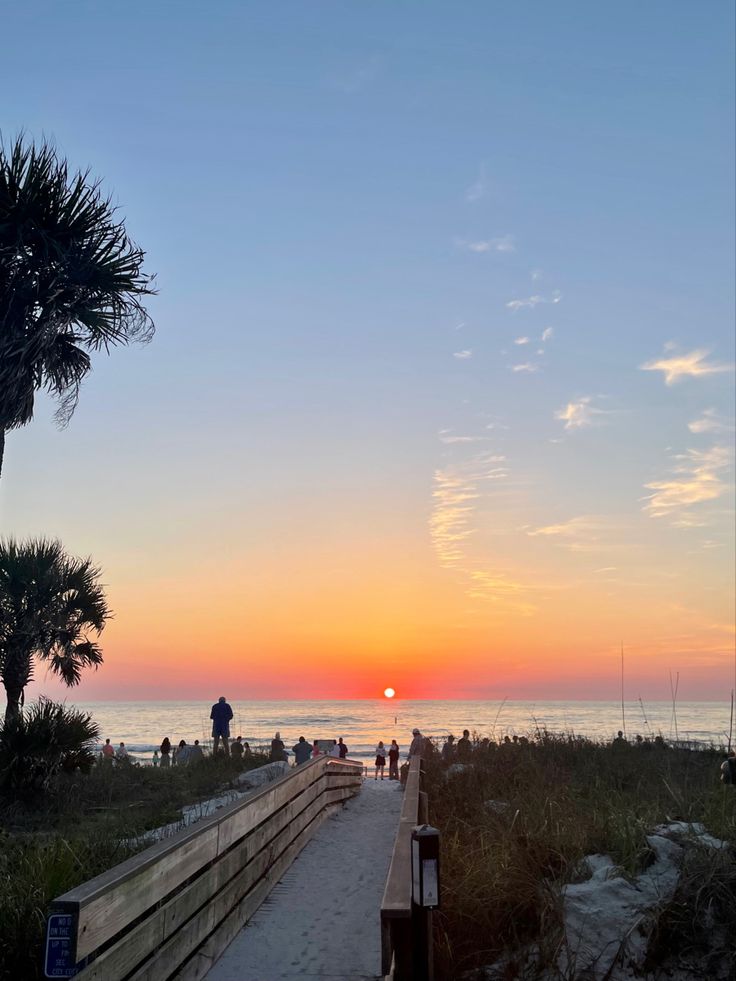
pixel 442 390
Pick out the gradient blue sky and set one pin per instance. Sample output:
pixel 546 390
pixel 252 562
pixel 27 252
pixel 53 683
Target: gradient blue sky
pixel 335 446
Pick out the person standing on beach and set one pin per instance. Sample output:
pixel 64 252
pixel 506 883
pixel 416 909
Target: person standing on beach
pixel 343 748
pixel 380 758
pixel 165 752
pixel 393 760
pixel 236 750
pixel 108 753
pixel 448 750
pixel 221 714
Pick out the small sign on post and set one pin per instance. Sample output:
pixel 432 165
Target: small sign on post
pixel 425 866
pixel 59 959
pixel 425 897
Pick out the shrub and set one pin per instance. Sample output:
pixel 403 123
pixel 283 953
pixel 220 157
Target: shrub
pixel 42 741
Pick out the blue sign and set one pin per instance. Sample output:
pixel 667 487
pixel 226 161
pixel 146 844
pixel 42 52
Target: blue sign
pixel 60 946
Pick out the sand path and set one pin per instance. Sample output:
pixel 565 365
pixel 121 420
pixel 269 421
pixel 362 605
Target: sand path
pixel 323 918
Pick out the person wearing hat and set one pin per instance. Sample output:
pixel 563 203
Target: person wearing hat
pixel 417 743
pixel 221 714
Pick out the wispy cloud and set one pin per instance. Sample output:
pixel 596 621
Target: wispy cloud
pixel 521 340
pixel 692 365
pixel 547 334
pixel 479 188
pixel 528 367
pixel 448 436
pixel 458 493
pixel 580 413
pixel 585 533
pixel 536 275
pixel 532 301
pixel 697 477
pixel 463 355
pixel 505 243
pixel 455 490
pixel 710 422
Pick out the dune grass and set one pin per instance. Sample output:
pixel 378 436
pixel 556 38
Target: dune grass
pixel 516 825
pixel 84 825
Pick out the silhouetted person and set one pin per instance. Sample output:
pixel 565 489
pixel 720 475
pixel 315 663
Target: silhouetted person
pixel 302 751
pixel 343 748
pixel 448 750
pixel 236 748
pixel 277 749
pixel 464 746
pixel 380 759
pixel 195 752
pixel 393 760
pixel 221 714
pixel 165 752
pixel 728 769
pixel 417 744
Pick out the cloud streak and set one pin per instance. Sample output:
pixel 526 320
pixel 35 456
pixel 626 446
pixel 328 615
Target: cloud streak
pixel 691 365
pixel 580 414
pixel 530 302
pixel 503 244
pixel 696 478
pixel 710 422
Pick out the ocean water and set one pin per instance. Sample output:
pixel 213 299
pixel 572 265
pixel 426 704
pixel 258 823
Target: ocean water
pixel 361 723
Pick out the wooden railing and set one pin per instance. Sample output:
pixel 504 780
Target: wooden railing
pixel 170 911
pixel 398 929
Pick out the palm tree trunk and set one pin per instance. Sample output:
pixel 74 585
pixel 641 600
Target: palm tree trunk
pixel 12 709
pixel 2 448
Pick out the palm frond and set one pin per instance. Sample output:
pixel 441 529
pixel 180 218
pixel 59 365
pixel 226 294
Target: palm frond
pixel 71 280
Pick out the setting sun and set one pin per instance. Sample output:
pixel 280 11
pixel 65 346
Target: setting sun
pixel 389 693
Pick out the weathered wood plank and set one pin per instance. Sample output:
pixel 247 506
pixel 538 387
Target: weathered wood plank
pixel 105 905
pixel 241 820
pixel 110 912
pixel 396 900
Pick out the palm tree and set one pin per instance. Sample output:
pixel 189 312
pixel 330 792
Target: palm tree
pixel 53 609
pixel 70 282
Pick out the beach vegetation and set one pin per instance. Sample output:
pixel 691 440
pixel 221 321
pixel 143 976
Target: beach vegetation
pixel 79 824
pixel 518 822
pixel 71 281
pixel 52 609
pixel 42 740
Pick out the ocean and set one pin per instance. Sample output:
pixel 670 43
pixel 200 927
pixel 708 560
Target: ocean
pixel 361 723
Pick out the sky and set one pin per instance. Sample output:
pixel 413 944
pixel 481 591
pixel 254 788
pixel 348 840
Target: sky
pixel 442 390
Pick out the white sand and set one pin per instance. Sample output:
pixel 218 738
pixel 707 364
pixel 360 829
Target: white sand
pixel 323 919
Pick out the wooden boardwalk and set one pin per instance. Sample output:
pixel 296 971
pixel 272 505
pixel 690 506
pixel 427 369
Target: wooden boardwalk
pixel 323 919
